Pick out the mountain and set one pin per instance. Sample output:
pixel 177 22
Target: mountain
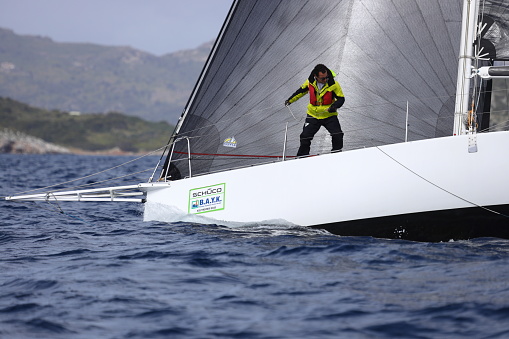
pixel 92 78
pixel 22 126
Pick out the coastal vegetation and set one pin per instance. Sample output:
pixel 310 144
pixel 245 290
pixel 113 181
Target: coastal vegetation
pixel 78 132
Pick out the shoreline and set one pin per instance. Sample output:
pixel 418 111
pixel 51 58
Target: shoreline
pixel 12 142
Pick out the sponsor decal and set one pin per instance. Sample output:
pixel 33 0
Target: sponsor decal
pixel 230 142
pixel 206 199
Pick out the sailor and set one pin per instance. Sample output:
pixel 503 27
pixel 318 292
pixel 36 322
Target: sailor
pixel 325 97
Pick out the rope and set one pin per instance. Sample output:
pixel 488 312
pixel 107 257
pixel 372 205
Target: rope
pixel 97 173
pixel 61 211
pixel 291 112
pixel 357 110
pixel 100 182
pixel 54 209
pixel 234 155
pixel 441 188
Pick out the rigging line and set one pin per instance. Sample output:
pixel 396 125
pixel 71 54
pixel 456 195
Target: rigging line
pixel 233 155
pixel 224 121
pixel 476 98
pixel 56 202
pixel 498 111
pixel 291 112
pixel 30 204
pixel 93 174
pixel 349 130
pixel 346 121
pixel 441 188
pixel 352 108
pixel 61 211
pixel 502 124
pixel 256 111
pixel 166 148
pixel 84 185
pixel 99 182
pixel 477 92
pixel 344 109
pixel 53 210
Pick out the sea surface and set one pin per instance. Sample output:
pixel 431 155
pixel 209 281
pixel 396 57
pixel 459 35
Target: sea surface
pixel 97 270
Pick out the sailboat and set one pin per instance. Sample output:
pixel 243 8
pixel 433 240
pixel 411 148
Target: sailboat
pixel 422 158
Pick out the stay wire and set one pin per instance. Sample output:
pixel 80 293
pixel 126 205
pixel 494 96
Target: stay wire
pixel 441 188
pixel 97 173
pixel 102 181
pixel 61 211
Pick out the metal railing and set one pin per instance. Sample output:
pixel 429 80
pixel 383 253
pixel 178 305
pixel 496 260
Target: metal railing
pixel 167 169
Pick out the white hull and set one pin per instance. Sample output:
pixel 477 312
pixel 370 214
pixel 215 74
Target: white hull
pixel 332 190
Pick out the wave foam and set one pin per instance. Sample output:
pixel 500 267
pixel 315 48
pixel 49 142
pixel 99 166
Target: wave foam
pixel 166 213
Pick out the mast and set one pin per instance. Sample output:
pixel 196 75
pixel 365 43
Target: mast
pixel 468 30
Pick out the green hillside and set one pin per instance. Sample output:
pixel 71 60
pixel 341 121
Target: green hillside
pixel 91 132
pixel 94 78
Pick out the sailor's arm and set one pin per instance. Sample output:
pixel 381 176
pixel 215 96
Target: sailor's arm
pixel 298 93
pixel 336 104
pixel 337 93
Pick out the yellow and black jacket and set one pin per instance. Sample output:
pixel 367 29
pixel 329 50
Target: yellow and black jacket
pixel 322 103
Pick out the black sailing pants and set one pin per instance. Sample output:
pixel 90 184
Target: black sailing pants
pixel 312 125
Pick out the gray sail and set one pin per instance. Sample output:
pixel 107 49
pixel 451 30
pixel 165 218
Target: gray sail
pixel 385 54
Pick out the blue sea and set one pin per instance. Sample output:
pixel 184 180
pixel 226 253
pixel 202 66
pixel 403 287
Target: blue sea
pixel 97 270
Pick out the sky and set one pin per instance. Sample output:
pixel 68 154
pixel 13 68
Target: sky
pixel 155 26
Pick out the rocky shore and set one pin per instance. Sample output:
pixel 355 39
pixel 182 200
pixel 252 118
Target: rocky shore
pixel 19 143
pixel 13 142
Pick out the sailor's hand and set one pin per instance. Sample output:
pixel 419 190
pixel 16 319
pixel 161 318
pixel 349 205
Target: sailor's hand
pixel 287 102
pixel 331 110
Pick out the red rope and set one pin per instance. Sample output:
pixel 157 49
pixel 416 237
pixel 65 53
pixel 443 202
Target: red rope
pixel 235 155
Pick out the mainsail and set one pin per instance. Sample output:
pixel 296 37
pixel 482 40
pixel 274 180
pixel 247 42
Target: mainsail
pixel 388 55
